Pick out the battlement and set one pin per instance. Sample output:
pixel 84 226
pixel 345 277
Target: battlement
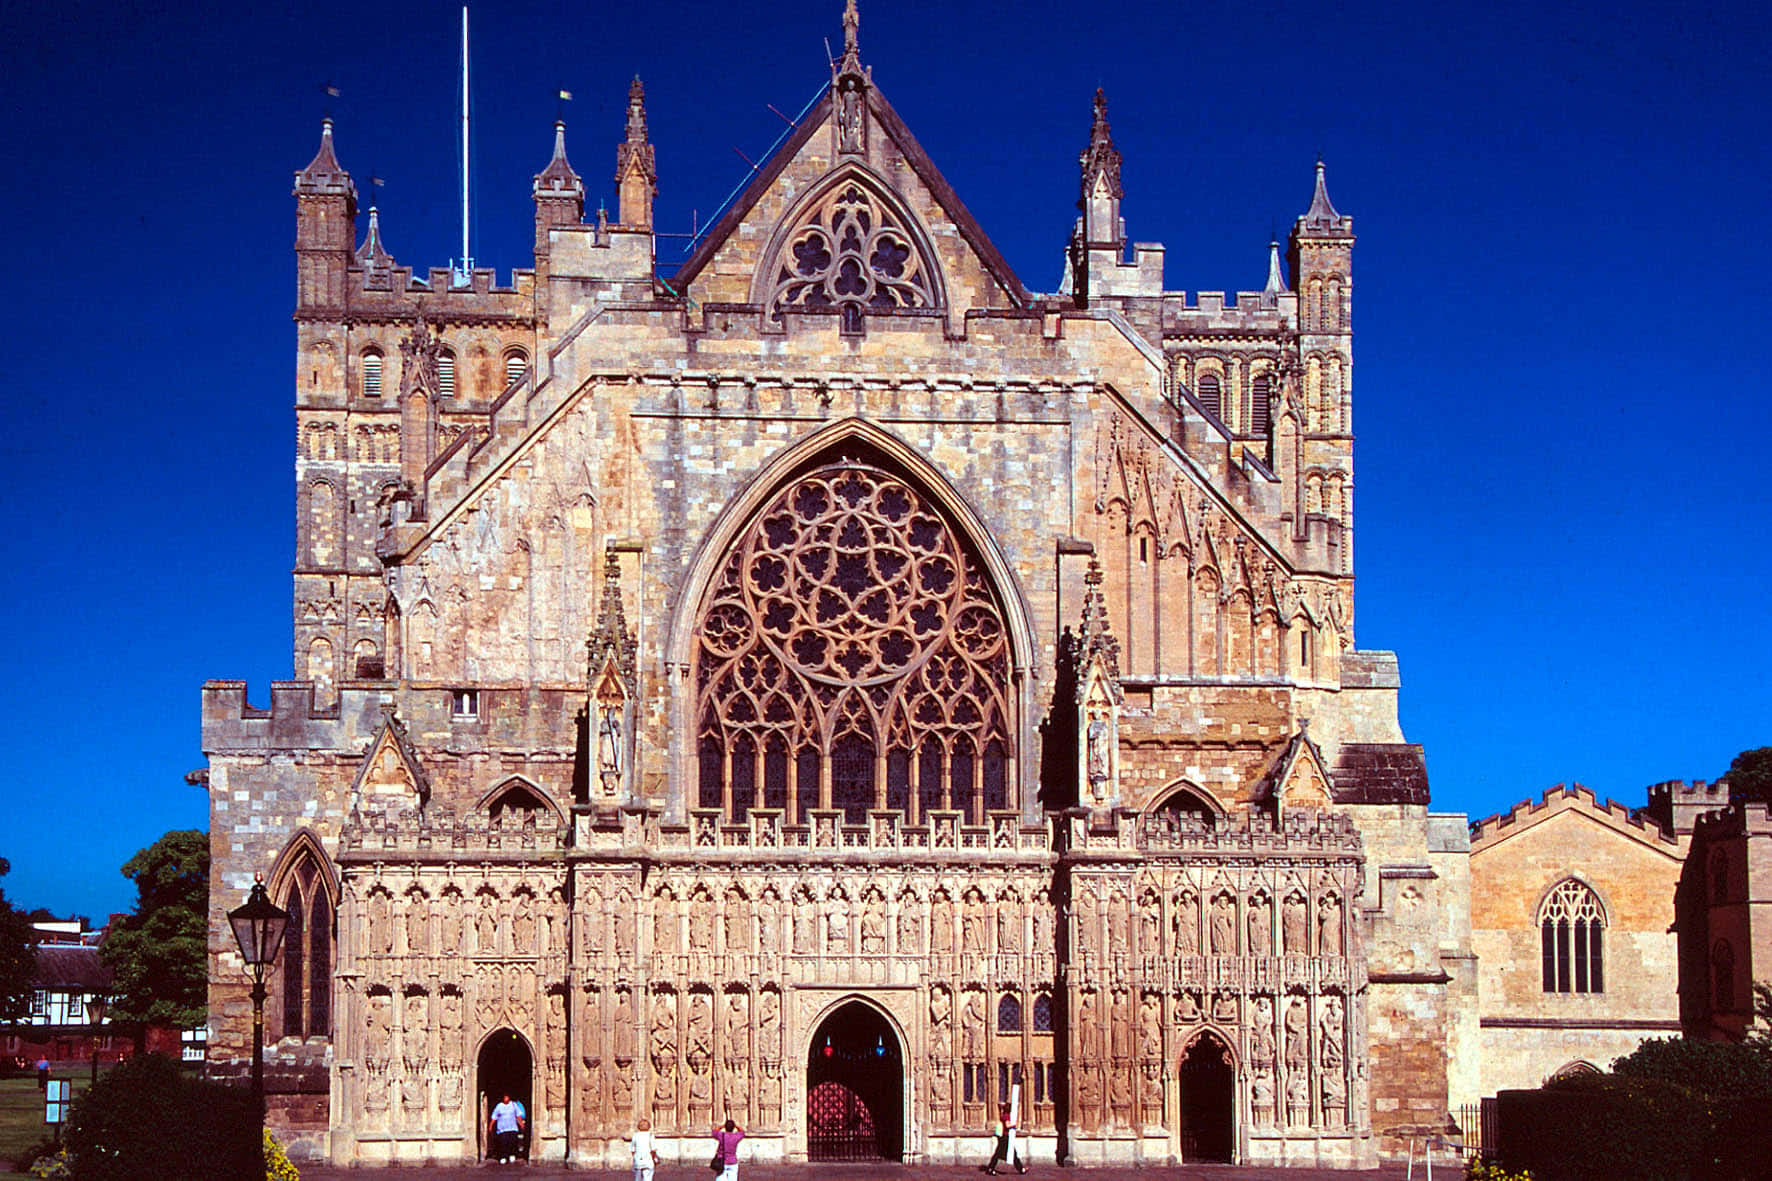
pixel 1677 805
pixel 537 718
pixel 1745 818
pixel 1208 313
pixel 1526 812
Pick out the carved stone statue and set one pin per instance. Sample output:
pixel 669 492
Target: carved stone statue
pixel 1150 929
pixel 736 1027
pixel 1298 1098
pixel 555 1036
pixel 416 914
pixel 1043 942
pixel 1296 923
pixel 910 931
pixel 1120 1025
pixel 738 925
pixel 1187 925
pixel 1297 1050
pixel 972 1027
pixel 380 935
pixel 1008 927
pixel 701 1025
pixel 1099 757
pixel 485 927
pixel 941 1033
pixel 941 928
pixel 1120 1094
pixel 590 1026
pixel 1329 1045
pixel 1150 1027
pixel 973 921
pixel 1261 1038
pixel 1088 1027
pixel 664 1027
pixel 1119 925
pixel 873 930
pixel 623 1033
pixel 449 924
pixel 803 926
pixel 664 926
pixel 1334 1098
pixel 1329 927
pixel 449 1049
pixel 837 925
pixel 1263 1087
pixel 1224 925
pixel 769 925
pixel 1224 1008
pixel 1187 1007
pixel 769 1027
pixel 1261 937
pixel 376 1023
pixel 701 929
pixel 414 1028
pixel 523 925
pixel 609 746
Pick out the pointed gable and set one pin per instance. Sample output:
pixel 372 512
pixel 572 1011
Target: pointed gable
pixel 853 148
pixel 390 777
pixel 1300 778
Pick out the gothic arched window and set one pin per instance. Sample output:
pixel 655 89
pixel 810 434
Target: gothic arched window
pixel 850 252
pixel 852 638
pixel 1043 1013
pixel 1571 926
pixel 1009 1014
pixel 307 951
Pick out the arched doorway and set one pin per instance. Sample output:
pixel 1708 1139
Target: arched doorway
pixel 1208 1101
pixel 505 1067
pixel 855 1088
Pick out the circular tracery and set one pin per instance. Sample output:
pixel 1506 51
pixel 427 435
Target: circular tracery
pixel 850 252
pixel 852 655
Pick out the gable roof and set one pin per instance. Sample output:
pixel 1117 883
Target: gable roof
pixel 1579 801
pixel 888 120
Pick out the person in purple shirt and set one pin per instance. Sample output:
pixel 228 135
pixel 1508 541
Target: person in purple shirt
pixel 726 1138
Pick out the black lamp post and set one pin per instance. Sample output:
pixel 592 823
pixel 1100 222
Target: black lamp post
pixel 96 1004
pixel 258 929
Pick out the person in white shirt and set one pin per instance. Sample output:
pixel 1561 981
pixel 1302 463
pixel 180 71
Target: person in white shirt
pixel 506 1125
pixel 645 1155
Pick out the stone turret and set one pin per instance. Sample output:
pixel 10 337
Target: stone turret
pixel 559 195
pixel 325 226
pixel 1098 267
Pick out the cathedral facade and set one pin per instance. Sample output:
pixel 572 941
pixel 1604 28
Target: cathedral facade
pixel 835 687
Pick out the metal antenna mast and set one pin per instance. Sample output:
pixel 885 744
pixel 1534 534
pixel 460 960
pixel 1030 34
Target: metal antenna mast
pixel 464 271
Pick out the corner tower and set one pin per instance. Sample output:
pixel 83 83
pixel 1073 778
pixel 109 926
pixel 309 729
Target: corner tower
pixel 1321 252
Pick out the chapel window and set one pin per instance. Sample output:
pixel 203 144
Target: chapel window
pixel 1211 393
pixel 1571 928
pixel 307 953
pixel 372 374
pixel 853 637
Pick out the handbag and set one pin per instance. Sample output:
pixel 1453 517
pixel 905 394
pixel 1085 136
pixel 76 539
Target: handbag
pixel 719 1161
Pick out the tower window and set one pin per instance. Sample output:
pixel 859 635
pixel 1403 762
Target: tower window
pixel 1211 393
pixel 1261 394
pixel 464 703
pixel 516 365
pixel 372 375
pixel 446 373
pixel 1571 928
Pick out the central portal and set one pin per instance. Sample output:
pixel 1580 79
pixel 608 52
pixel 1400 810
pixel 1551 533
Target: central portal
pixel 855 1088
pixel 1208 1101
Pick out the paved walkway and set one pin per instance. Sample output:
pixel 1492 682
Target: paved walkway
pixel 870 1172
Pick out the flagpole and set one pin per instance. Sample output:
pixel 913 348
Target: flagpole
pixel 464 274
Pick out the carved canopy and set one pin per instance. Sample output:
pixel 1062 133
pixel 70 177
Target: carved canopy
pixel 852 654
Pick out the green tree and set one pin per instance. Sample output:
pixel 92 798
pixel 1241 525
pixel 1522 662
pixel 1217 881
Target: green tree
pixel 157 955
pixel 1750 775
pixel 18 956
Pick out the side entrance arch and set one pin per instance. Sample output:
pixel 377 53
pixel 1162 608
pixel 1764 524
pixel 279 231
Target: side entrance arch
pixel 855 1088
pixel 1208 1100
pixel 505 1067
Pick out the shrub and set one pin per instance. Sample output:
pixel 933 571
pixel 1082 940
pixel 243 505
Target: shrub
pixel 1482 1169
pixel 48 1146
pixel 1603 1127
pixel 1716 1070
pixel 51 1164
pixel 149 1121
pixel 278 1166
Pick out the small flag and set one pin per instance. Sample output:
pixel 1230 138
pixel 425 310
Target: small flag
pixel 332 91
pixel 566 96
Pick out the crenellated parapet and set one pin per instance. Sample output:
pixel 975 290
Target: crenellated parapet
pixel 1644 822
pixel 439 834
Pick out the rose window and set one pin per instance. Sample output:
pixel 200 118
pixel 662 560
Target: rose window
pixel 850 254
pixel 852 655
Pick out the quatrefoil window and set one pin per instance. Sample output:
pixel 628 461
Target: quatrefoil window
pixel 850 253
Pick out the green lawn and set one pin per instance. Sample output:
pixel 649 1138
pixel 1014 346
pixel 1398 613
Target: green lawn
pixel 21 1113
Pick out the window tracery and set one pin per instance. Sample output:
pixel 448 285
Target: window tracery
pixel 850 253
pixel 852 655
pixel 1571 922
pixel 307 952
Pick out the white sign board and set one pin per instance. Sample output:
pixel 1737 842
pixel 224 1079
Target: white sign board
pixel 56 1100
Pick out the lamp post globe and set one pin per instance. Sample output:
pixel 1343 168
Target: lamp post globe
pixel 258 929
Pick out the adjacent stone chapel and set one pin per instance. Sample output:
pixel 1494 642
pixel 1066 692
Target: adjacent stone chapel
pixel 833 686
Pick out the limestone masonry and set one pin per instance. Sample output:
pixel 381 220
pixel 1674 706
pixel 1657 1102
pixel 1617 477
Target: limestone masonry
pixel 837 687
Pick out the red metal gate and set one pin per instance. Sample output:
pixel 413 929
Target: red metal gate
pixel 839 1125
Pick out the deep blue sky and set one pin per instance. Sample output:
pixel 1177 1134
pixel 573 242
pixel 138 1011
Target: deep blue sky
pixel 1561 306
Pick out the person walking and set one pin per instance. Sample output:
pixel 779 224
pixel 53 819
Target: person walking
pixel 504 1128
pixel 726 1138
pixel 1005 1150
pixel 645 1154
